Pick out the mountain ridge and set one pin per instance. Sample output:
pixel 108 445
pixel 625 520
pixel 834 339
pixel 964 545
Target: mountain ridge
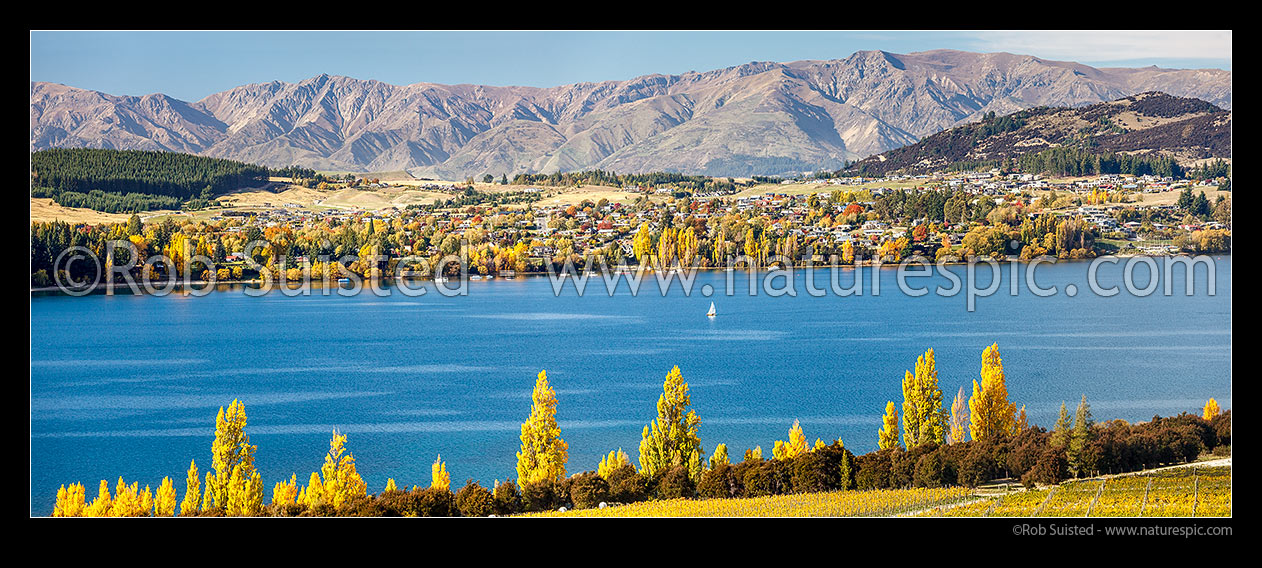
pixel 1151 123
pixel 754 118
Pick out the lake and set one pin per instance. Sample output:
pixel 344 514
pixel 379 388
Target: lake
pixel 130 385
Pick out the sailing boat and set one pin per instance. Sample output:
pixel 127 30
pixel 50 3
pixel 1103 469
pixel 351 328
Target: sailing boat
pixel 711 313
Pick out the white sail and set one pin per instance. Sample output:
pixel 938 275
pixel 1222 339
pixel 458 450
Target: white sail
pixel 711 312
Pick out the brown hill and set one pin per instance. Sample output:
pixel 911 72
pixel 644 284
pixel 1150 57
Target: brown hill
pixel 757 118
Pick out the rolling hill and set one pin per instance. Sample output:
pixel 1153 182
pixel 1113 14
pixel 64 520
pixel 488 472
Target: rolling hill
pixel 1147 124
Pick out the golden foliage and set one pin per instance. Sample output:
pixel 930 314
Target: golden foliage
pixel 440 479
pixel 543 453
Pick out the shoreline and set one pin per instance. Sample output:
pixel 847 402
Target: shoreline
pixel 99 288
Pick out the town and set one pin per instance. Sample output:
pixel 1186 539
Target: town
pixel 819 219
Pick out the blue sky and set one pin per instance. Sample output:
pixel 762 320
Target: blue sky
pixel 192 65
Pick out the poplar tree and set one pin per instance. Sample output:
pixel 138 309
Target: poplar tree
pixel 543 453
pixel 230 449
pixel 990 413
pixel 70 502
pixel 164 499
pixel 959 418
pixel 720 456
pixel 671 440
pixel 615 460
pixel 1211 410
pixel 888 435
pixel 795 446
pixel 439 478
pixel 922 404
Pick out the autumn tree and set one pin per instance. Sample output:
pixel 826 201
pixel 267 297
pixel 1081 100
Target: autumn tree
pixel 192 491
pixel 990 413
pixel 615 460
pixel 923 419
pixel 285 494
pixel 720 456
pixel 888 435
pixel 71 501
pixel 341 480
pixel 671 440
pixel 230 449
pixel 164 499
pixel 959 417
pixel 439 478
pixel 100 507
pixel 1211 410
pixel 794 447
pixel 543 453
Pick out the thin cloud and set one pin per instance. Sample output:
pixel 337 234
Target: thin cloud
pixel 1107 45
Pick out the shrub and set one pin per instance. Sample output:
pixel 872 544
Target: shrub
pixel 718 483
pixel 627 486
pixel 760 479
pixel 675 483
pixel 435 502
pixel 977 467
pixel 538 496
pixel 473 500
pixel 1222 428
pixel 395 504
pixel 873 471
pixel 929 470
pixel 1050 468
pixel 506 499
pixel 814 472
pixel 588 490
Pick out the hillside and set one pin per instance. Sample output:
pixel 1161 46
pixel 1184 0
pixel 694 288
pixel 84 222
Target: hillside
pixel 127 181
pixel 1149 124
pixel 756 118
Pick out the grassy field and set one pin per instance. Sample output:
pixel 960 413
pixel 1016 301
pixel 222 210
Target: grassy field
pixel 876 503
pixel 1175 492
pixel 821 188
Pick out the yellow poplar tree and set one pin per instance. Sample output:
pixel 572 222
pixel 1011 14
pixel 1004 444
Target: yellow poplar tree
pixel 543 453
pixel 439 477
pixel 164 499
pixel 666 248
pixel 719 457
pixel 922 404
pixel 100 507
pixel 795 446
pixel 990 413
pixel 70 502
pixel 615 460
pixel 129 502
pixel 1211 410
pixel 192 491
pixel 341 480
pixel 687 246
pixel 390 485
pixel 642 243
pixel 286 493
pixel 245 492
pixel 230 449
pixel 888 435
pixel 671 440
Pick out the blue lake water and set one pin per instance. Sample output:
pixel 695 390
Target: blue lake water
pixel 130 385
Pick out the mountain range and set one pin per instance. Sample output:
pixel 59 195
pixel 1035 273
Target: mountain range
pixel 757 118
